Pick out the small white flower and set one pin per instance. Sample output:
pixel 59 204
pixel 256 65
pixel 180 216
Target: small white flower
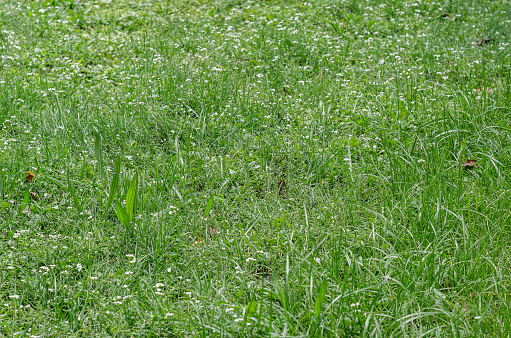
pixel 14 296
pixel 79 267
pixel 128 273
pixel 159 285
pixel 478 317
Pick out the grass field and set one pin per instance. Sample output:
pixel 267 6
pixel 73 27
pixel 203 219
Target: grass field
pixel 255 168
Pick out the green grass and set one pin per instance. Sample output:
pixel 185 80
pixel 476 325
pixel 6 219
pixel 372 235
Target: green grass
pixel 255 168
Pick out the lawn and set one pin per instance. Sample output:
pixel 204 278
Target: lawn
pixel 231 168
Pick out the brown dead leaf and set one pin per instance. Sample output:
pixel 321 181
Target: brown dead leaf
pixel 198 241
pixel 469 164
pixel 213 231
pixel 482 42
pixel 34 196
pixel 26 211
pixel 487 89
pixel 286 91
pixel 263 274
pixel 282 188
pixel 29 176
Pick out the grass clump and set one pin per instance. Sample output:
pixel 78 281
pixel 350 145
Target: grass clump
pixel 254 168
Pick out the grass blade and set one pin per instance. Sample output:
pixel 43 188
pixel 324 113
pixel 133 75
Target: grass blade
pixel 57 182
pixel 71 191
pixel 320 300
pixel 251 309
pixel 122 215
pixel 114 183
pixel 146 197
pixel 209 206
pixel 26 197
pixel 26 201
pixel 98 150
pixel 131 197
pixel 2 184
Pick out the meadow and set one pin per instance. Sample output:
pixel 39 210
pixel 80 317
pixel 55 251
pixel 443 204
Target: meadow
pixel 228 168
